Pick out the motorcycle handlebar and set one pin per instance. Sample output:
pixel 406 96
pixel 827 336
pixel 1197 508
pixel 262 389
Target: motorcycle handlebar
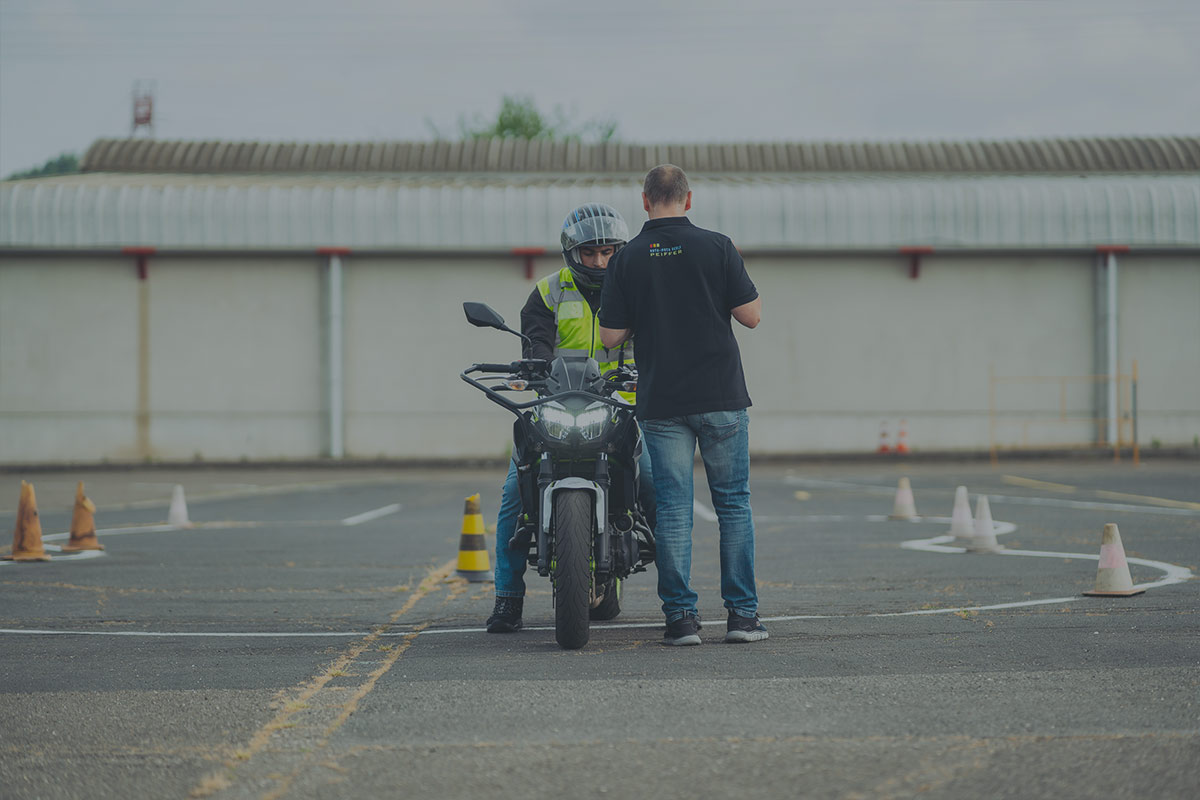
pixel 498 367
pixel 529 365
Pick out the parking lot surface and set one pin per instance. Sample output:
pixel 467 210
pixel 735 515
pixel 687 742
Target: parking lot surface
pixel 307 638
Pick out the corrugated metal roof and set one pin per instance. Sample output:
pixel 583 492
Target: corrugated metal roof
pixel 495 211
pixel 1155 154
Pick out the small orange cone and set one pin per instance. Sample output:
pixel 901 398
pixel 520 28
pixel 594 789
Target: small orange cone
pixel 904 507
pixel 902 437
pixel 1112 575
pixel 83 525
pixel 473 563
pixel 883 442
pixel 27 536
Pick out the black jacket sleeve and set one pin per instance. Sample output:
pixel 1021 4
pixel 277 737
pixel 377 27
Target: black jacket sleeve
pixel 537 322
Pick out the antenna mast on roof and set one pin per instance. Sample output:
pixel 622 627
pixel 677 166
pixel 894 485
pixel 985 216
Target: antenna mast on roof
pixel 143 108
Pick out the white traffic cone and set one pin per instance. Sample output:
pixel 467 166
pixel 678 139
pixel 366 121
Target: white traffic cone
pixel 961 527
pixel 178 513
pixel 984 540
pixel 1112 575
pixel 904 507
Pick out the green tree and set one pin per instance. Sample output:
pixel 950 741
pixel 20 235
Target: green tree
pixel 65 164
pixel 519 118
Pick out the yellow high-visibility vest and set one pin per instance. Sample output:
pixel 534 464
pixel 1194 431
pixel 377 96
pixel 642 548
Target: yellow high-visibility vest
pixel 578 329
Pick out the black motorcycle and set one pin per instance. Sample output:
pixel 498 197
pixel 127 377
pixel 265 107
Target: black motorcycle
pixel 576 447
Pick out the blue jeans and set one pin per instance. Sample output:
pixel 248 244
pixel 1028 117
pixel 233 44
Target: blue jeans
pixel 724 439
pixel 510 564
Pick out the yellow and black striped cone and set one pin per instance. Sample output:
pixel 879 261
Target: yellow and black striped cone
pixel 473 563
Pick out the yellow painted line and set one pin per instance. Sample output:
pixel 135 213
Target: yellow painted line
pixel 1154 501
pixel 803 495
pixel 284 784
pixel 1030 483
pixel 433 580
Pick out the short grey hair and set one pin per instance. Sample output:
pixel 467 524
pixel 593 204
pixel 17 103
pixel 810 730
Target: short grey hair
pixel 666 184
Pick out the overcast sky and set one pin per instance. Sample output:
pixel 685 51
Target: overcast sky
pixel 701 70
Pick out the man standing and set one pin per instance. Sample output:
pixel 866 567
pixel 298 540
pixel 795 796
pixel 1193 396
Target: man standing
pixel 675 288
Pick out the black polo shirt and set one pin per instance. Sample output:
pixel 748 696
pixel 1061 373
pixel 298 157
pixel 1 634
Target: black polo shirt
pixel 674 285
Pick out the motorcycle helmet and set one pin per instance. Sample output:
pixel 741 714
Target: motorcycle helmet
pixel 591 225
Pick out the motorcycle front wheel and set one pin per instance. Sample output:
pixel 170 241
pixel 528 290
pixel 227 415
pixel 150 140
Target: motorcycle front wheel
pixel 572 573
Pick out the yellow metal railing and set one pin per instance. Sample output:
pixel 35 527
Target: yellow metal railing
pixel 1125 412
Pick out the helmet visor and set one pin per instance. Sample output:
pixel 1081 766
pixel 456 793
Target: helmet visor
pixel 597 230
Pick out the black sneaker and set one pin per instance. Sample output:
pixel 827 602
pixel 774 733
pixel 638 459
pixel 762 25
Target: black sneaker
pixel 744 629
pixel 506 617
pixel 682 632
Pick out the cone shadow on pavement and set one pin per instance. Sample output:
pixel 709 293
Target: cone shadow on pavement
pixel 27 535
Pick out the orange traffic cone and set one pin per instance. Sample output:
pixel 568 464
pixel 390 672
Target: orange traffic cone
pixel 1112 575
pixel 27 536
pixel 904 507
pixel 473 563
pixel 83 525
pixel 883 439
pixel 902 437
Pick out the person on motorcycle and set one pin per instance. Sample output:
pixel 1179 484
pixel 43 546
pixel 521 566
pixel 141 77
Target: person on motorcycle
pixel 560 319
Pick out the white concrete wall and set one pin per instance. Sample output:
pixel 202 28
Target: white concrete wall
pixel 847 343
pixel 407 340
pixel 236 366
pixel 1159 325
pixel 68 359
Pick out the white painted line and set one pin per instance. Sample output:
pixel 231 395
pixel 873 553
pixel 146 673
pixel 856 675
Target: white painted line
pixel 820 484
pixel 1058 502
pixel 192 634
pixel 936 544
pixel 1093 505
pixel 61 556
pixel 238 494
pixel 367 516
pixel 703 511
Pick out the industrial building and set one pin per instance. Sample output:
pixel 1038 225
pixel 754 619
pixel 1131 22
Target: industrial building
pixel 217 301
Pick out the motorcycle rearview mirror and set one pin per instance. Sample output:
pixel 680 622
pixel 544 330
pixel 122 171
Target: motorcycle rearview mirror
pixel 481 315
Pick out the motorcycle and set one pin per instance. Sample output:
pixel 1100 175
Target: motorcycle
pixel 576 447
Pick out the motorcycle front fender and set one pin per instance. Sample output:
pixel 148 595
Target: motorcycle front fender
pixel 598 492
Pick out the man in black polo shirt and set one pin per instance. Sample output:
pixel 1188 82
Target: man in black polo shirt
pixel 676 288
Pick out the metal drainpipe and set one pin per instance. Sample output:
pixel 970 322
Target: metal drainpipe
pixel 1111 274
pixel 335 355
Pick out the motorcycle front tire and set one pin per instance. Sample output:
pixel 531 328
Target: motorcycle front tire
pixel 572 573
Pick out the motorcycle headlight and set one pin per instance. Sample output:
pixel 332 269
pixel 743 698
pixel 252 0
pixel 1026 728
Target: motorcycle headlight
pixel 592 420
pixel 558 422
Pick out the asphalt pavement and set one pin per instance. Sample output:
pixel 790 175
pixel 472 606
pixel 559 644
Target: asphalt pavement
pixel 307 638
